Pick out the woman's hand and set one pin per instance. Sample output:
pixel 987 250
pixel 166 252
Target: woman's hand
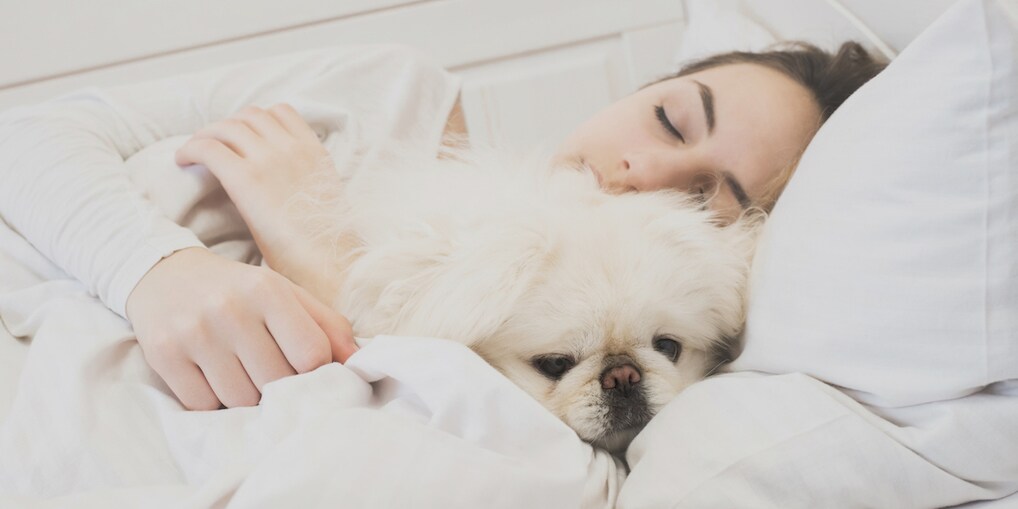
pixel 263 158
pixel 217 330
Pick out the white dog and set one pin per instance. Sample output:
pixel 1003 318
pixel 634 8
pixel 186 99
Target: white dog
pixel 602 307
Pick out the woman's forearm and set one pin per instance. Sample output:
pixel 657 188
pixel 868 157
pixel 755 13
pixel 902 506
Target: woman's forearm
pixel 65 188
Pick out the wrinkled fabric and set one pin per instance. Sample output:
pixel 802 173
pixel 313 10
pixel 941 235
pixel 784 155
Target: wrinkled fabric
pixel 407 422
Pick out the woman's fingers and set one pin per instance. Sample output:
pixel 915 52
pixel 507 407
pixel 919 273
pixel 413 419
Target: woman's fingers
pixel 299 337
pixel 261 357
pixel 336 327
pixel 230 169
pixel 224 163
pixel 235 134
pixel 293 122
pixel 263 123
pixel 227 377
pixel 188 383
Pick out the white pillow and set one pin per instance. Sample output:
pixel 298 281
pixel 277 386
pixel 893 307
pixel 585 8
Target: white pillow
pixel 889 266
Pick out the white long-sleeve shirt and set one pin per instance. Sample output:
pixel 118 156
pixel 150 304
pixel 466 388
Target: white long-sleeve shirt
pixel 64 184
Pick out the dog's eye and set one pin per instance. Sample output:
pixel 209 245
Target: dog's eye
pixel 554 366
pixel 668 347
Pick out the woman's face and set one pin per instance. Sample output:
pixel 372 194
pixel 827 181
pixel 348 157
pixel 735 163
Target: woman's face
pixel 736 126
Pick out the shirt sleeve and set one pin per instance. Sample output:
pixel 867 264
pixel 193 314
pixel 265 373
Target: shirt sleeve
pixel 65 184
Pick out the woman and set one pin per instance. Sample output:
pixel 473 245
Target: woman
pixel 216 330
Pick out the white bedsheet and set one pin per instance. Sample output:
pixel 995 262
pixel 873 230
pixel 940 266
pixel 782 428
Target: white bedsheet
pixel 407 422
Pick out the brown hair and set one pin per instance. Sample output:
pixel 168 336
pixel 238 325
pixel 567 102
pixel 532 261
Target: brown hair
pixel 830 78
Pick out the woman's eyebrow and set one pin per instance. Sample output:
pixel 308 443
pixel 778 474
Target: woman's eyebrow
pixel 707 97
pixel 737 190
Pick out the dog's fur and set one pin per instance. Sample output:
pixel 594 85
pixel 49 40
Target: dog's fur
pixel 521 260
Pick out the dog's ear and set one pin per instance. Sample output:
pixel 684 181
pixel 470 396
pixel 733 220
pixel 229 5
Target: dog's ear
pixel 744 232
pixel 463 291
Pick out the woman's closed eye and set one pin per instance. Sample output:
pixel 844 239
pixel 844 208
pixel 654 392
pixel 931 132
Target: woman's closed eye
pixel 706 186
pixel 659 111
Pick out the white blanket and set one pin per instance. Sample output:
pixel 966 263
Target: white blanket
pixel 407 422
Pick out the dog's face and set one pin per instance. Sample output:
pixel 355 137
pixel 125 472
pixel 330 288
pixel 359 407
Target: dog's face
pixel 617 320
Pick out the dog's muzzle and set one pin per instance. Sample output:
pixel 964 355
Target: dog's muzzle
pixel 623 396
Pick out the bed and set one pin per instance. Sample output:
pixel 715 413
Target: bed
pixel 887 378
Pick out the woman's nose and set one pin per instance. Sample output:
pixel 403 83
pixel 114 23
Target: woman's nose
pixel 649 171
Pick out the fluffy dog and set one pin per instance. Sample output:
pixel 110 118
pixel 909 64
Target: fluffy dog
pixel 602 307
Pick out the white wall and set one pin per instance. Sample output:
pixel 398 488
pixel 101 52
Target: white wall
pixel 566 58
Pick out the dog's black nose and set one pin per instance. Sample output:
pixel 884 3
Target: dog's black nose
pixel 621 378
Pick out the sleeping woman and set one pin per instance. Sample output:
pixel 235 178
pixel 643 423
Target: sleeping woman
pixel 730 128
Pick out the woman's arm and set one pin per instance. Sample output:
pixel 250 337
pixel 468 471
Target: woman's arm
pixel 62 162
pixel 263 157
pixel 65 190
